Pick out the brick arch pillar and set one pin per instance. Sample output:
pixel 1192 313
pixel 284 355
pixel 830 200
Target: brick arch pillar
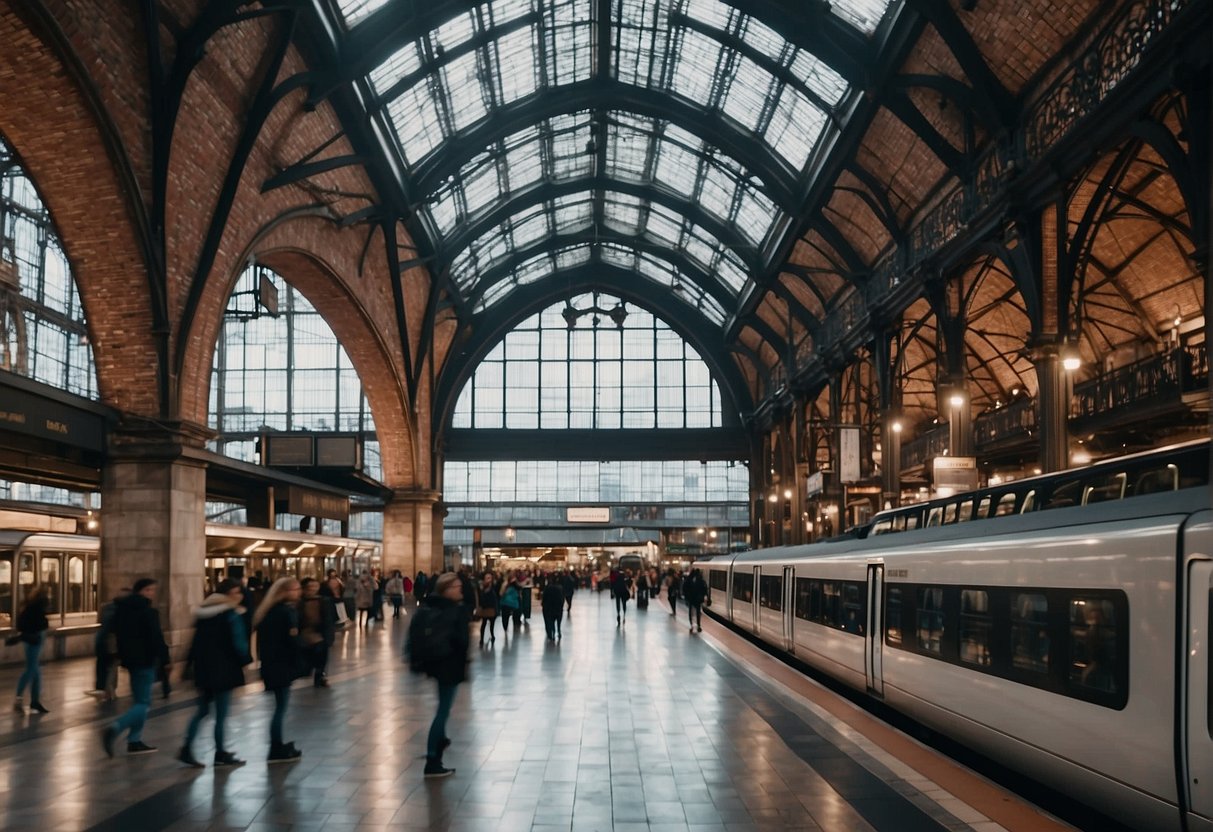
pixel 412 531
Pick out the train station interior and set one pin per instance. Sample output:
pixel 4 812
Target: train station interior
pixel 617 287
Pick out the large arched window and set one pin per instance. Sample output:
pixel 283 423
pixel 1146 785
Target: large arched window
pixel 43 335
pixel 604 364
pixel 284 373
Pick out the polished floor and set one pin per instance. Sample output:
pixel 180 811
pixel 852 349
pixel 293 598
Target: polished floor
pixel 638 727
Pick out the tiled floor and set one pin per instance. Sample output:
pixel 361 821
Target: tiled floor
pixel 639 727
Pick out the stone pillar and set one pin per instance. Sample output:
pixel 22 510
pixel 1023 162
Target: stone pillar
pixel 1052 408
pixel 153 491
pixel 408 532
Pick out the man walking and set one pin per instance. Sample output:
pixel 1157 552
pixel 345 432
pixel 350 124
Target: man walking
pixel 141 650
pixel 552 603
pixel 437 646
pixel 694 590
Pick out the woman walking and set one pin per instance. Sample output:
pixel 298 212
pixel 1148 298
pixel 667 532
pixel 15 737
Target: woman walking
pixel 395 591
pixel 486 606
pixel 364 597
pixel 31 628
pixel 511 606
pixel 277 625
pixel 218 654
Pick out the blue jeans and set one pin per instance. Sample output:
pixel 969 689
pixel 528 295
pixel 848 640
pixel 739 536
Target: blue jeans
pixel 446 698
pixel 32 675
pixel 142 679
pixel 222 700
pixel 282 697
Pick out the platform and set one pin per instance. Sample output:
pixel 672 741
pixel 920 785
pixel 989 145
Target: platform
pixel 640 727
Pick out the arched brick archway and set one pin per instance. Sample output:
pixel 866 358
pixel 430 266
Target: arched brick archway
pixel 87 185
pixel 290 249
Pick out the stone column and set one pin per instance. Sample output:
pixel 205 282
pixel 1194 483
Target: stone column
pixel 408 532
pixel 153 491
pixel 1052 408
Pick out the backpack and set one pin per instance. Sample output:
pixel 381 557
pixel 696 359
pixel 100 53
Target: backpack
pixel 428 641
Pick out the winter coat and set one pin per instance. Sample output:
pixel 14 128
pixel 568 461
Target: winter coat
pixel 219 650
pixel 395 587
pixel 552 600
pixel 141 643
pixel 673 586
pixel 32 622
pixel 568 584
pixel 282 660
pixel 622 586
pixel 317 621
pixel 511 598
pixel 486 597
pixel 450 627
pixel 364 594
pixel 694 590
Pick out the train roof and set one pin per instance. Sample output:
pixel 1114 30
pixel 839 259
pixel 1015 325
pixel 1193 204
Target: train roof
pixel 47 540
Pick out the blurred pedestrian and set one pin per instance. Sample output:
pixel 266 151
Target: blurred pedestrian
pixel 105 648
pixel 364 595
pixel 218 655
pixel 694 590
pixel 568 585
pixel 395 592
pixel 277 626
pixel 32 625
pixel 437 646
pixel 510 605
pixel 552 603
pixel 621 588
pixel 142 650
pixel 486 606
pixel 317 630
pixel 673 586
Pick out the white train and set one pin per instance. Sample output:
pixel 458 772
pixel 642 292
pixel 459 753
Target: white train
pixel 1059 625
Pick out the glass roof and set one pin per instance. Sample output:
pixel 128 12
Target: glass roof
pixel 757 89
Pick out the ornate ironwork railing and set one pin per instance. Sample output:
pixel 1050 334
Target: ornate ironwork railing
pixel 1094 73
pixel 1162 377
pixel 918 450
pixel 1014 420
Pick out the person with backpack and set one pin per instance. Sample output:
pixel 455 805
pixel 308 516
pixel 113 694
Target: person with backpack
pixel 511 606
pixel 437 645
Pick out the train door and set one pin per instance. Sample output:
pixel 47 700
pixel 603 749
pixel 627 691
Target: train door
pixel 789 582
pixel 1198 728
pixel 873 644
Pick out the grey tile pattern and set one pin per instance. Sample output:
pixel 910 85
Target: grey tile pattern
pixel 639 727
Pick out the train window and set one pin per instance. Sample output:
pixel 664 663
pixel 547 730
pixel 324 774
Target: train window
pixel 1093 653
pixel 6 591
pixel 949 514
pixel 94 581
pixel 911 522
pixel 1006 505
pixel 930 619
pixel 983 508
pixel 1065 495
pixel 770 592
pixel 25 574
pixel 975 627
pixel 803 594
pixel 831 604
pixel 854 612
pixel 75 585
pixel 1029 502
pixel 1030 632
pixel 718 579
pixel 964 512
pixel 51 578
pixel 892 616
pixel 882 526
pixel 1157 481
pixel 743 587
pixel 815 601
pixel 934 517
pixel 1105 488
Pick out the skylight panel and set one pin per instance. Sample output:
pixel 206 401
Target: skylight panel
pixel 712 12
pixel 622 212
pixel 627 152
pixel 482 187
pixel 701 247
pixel 643 32
pixel 414 114
pixel 444 211
pixel 618 255
pixel 496 292
pixel 355 10
pixel 819 77
pixel 532 228
pixel 462 79
pixel 864 15
pixel 696 67
pixel 756 213
pixel 795 126
pixel 516 71
pixel 664 225
pixel 764 39
pixel 718 191
pixel 571 256
pixel 569 52
pixel 676 168
pixel 404 62
pixel 454 32
pixel 524 166
pixel 748 92
pixel 570 133
pixel 462 268
pixel 503 11
pixel 572 213
pixel 731 271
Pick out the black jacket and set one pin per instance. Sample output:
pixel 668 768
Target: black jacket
pixel 318 620
pixel 278 647
pixel 568 585
pixel 694 590
pixel 32 620
pixel 553 600
pixel 137 626
pixel 219 650
pixel 450 627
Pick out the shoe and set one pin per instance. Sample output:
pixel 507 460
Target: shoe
pixel 138 747
pixel 19 707
pixel 322 682
pixel 38 707
pixel 186 756
pixel 284 754
pixel 227 758
pixel 108 735
pixel 701 628
pixel 435 769
pixel 691 630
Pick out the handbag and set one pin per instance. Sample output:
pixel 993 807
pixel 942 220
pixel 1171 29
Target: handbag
pixel 486 612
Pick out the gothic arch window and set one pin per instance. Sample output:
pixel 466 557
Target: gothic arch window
pixel 43 335
pixel 608 370
pixel 284 373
